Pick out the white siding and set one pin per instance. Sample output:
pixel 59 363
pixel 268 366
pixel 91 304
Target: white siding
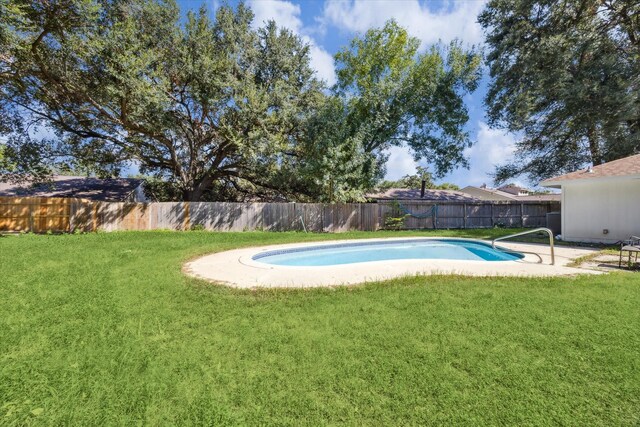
pixel 589 207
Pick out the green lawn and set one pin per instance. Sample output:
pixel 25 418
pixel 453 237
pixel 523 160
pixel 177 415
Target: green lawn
pixel 103 329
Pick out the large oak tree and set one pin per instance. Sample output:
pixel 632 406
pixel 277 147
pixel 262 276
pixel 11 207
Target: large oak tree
pixel 195 104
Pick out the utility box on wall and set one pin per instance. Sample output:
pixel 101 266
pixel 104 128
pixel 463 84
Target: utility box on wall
pixel 553 222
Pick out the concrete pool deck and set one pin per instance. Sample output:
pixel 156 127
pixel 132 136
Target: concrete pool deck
pixel 237 269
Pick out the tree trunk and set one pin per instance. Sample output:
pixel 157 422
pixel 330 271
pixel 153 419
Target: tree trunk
pixel 198 189
pixel 192 195
pixel 594 146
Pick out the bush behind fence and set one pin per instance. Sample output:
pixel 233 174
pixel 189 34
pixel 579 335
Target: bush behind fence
pixel 40 214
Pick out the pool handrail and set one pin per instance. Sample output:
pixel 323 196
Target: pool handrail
pixel 522 233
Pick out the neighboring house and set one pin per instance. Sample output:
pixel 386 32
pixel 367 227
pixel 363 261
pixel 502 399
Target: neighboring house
pixel 514 190
pixel 508 193
pixel 602 203
pixel 108 190
pixel 421 195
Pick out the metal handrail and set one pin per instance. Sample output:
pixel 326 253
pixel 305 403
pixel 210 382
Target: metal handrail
pixel 536 230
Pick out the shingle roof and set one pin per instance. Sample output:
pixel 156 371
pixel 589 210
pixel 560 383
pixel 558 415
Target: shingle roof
pixel 111 190
pixel 627 166
pixel 551 197
pixel 489 191
pixel 431 195
pixel 512 189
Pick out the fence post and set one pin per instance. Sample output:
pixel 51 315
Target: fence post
pixel 464 215
pixel 187 217
pixel 72 225
pixel 94 217
pixel 434 217
pixel 493 224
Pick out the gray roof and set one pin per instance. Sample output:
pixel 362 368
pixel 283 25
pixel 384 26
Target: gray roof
pixel 110 190
pixel 548 197
pixel 513 189
pixel 544 197
pixel 429 195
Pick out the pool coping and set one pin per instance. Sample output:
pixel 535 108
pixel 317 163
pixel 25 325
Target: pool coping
pixel 253 260
pixel 236 268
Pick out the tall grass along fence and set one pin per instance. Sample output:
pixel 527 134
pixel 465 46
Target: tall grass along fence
pixel 40 214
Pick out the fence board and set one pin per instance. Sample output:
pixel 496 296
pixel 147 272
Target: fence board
pixel 369 216
pixel 311 214
pixel 280 217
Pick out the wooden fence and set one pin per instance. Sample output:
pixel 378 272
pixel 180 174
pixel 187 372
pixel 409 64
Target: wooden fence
pixel 40 214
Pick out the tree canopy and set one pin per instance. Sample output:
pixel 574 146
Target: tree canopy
pixel 389 94
pixel 211 107
pixel 396 95
pixel 566 76
pixel 195 103
pixel 415 180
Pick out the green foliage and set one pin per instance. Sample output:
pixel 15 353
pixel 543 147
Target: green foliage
pixel 215 109
pixel 332 165
pixel 24 159
pixel 200 103
pixel 105 329
pixel 387 95
pixel 415 181
pixel 447 186
pixel 565 77
pixel 395 222
pixel 395 96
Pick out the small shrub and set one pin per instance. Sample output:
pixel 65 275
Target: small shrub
pixel 394 222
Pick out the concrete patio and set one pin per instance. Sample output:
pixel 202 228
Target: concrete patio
pixel 237 269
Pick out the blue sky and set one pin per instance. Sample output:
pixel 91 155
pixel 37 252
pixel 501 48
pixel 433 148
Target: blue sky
pixel 329 25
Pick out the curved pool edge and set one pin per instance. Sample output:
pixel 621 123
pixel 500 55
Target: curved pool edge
pixel 236 268
pixel 498 253
pixel 250 261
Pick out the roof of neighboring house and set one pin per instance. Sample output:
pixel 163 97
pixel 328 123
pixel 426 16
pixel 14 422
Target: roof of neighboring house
pixel 502 195
pixel 550 197
pixel 628 166
pixel 489 192
pixel 430 195
pixel 513 189
pixel 110 190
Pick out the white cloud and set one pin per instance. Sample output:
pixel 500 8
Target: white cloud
pixel 322 62
pixel 400 163
pixel 457 21
pixel 287 14
pixel 493 147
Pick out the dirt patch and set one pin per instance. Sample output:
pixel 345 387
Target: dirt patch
pixel 606 261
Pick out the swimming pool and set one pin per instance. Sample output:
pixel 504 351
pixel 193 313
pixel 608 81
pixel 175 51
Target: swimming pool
pixel 358 252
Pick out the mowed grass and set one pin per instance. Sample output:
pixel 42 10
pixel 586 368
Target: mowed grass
pixel 104 329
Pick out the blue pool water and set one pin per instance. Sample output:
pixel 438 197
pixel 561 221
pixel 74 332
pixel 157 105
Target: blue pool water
pixel 350 253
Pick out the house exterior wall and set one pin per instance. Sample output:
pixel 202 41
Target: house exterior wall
pixel 589 207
